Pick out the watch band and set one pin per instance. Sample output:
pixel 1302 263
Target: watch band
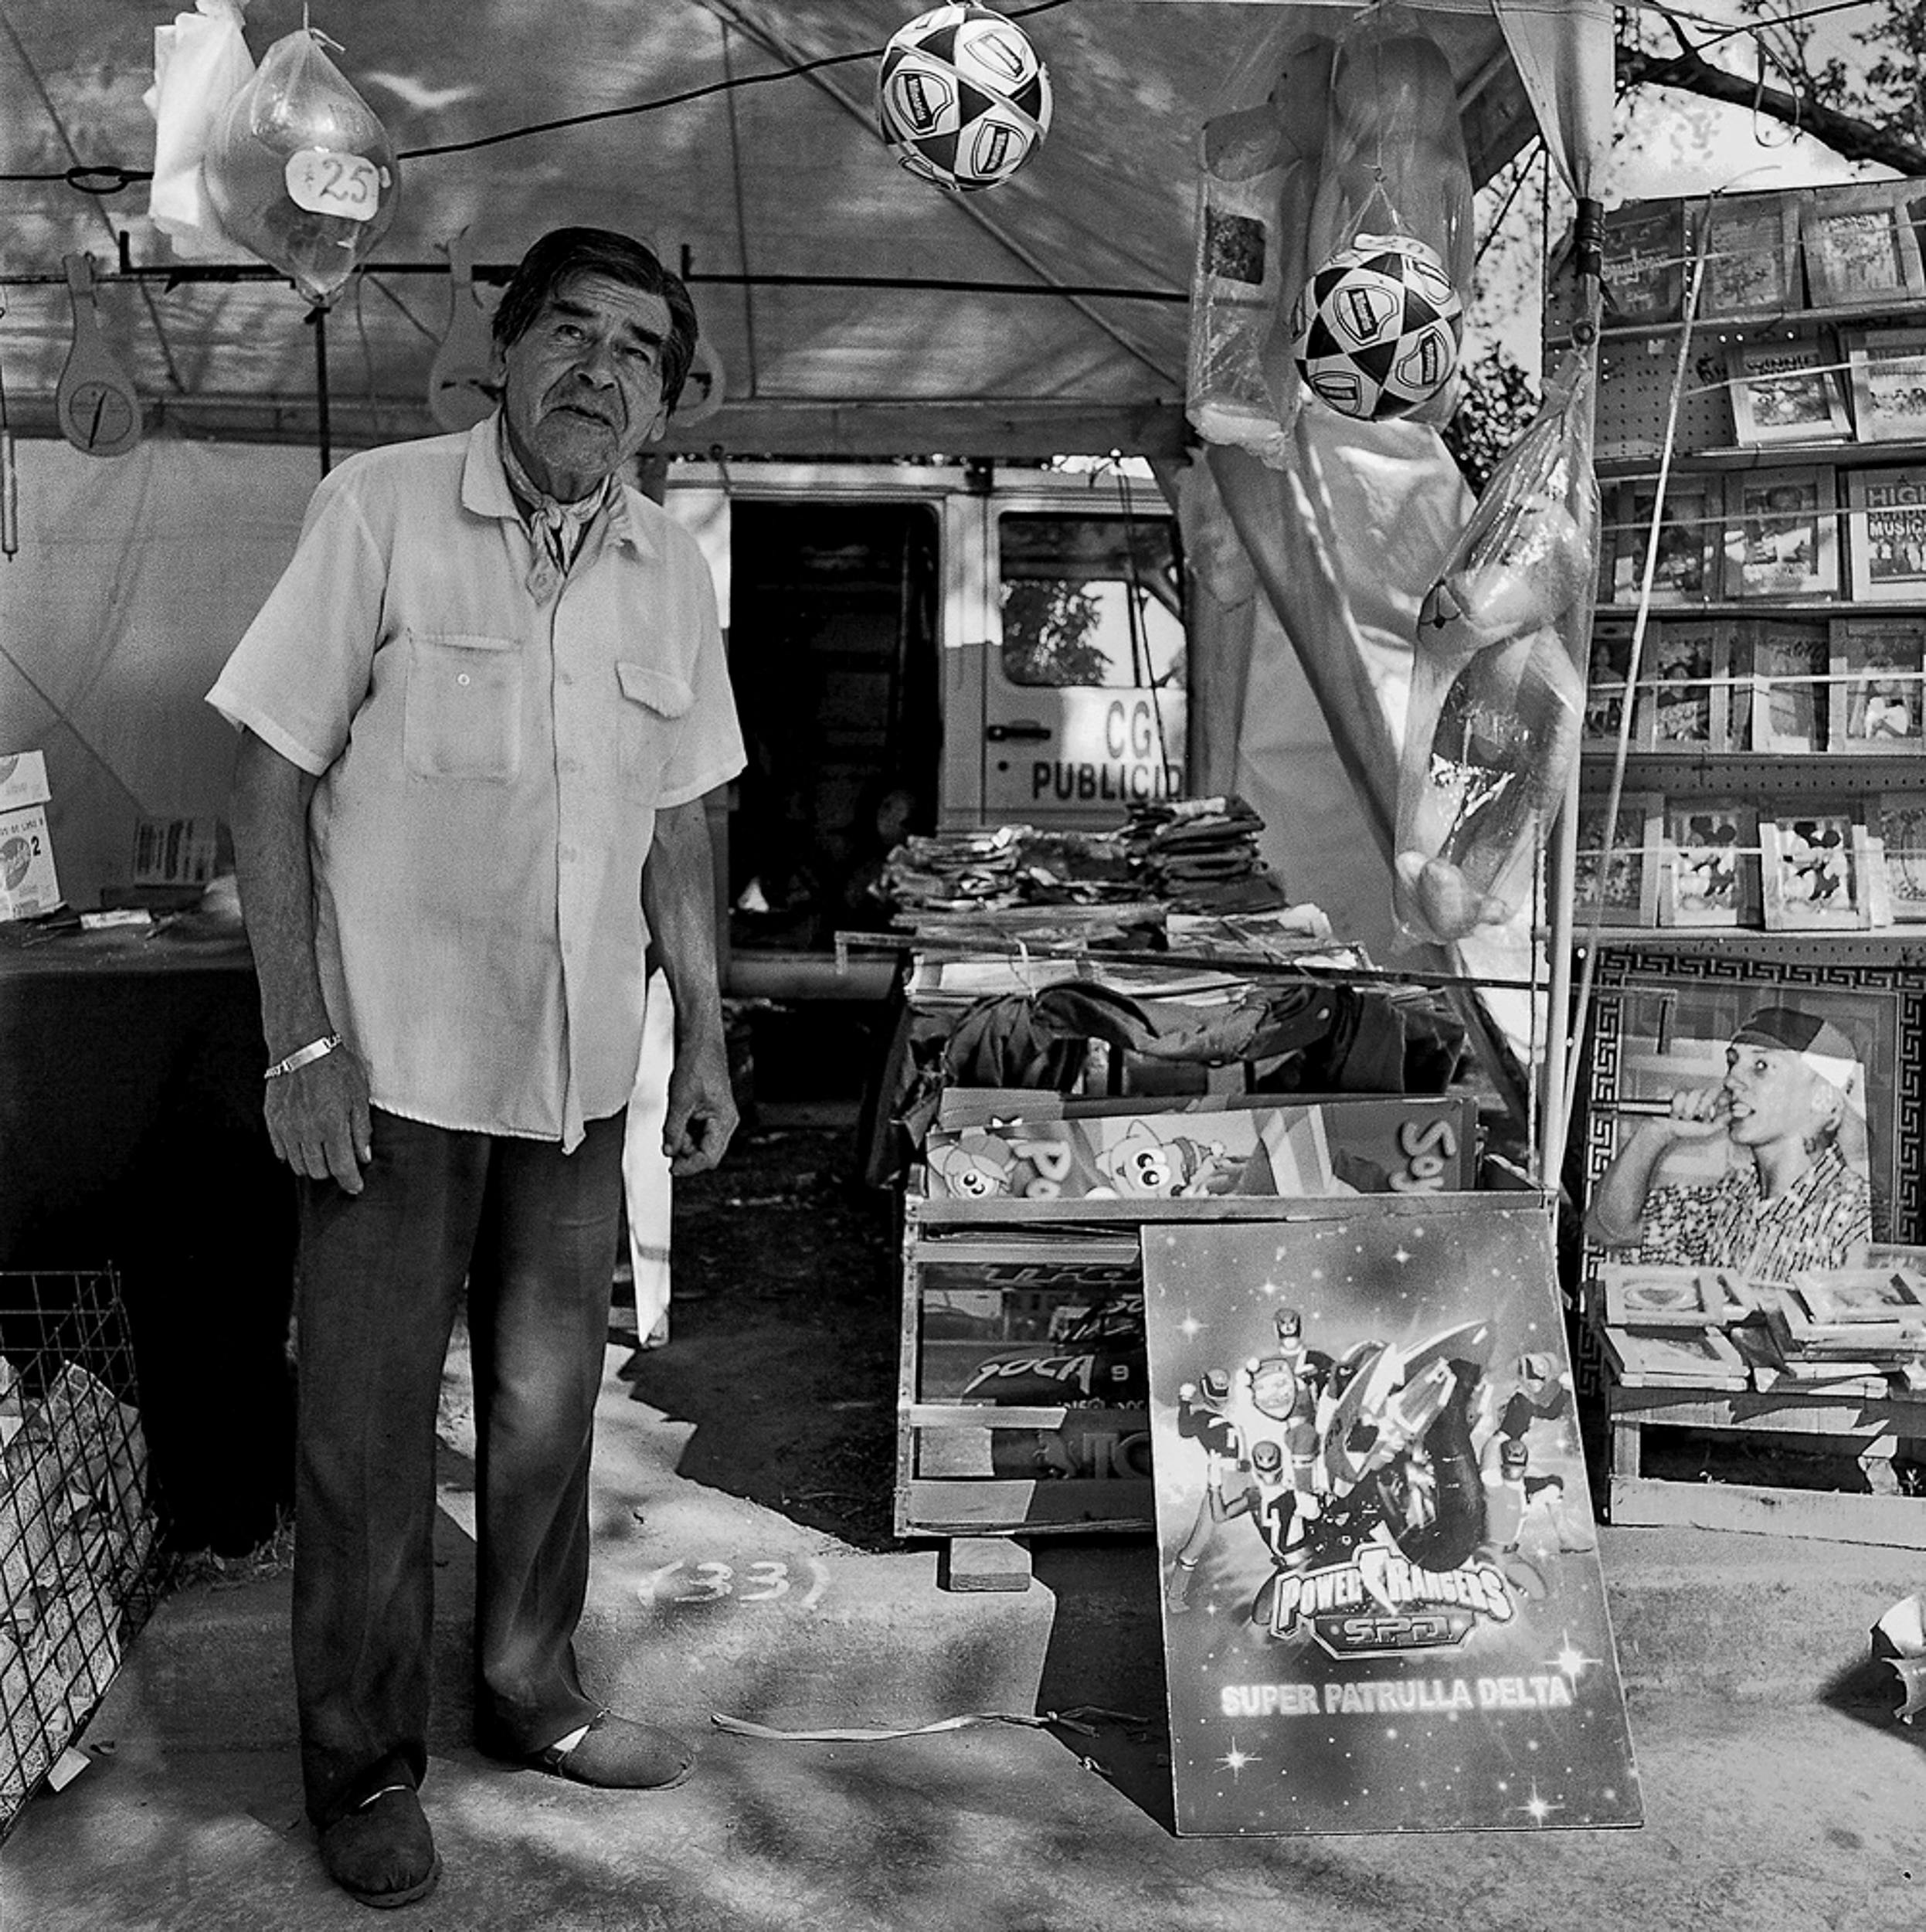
pixel 304 1056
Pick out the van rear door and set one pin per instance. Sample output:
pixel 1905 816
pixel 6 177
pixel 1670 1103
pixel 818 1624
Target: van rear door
pixel 1083 675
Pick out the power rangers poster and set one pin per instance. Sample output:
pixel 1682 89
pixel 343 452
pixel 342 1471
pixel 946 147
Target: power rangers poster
pixel 1383 1609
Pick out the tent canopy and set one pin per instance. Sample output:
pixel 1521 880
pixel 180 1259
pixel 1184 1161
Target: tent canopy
pixel 1051 316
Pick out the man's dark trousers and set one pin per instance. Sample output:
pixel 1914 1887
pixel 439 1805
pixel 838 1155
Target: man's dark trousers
pixel 533 1232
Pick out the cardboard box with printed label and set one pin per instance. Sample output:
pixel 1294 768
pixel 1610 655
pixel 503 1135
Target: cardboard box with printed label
pixel 27 883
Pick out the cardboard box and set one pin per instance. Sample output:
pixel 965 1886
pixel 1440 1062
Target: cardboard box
pixel 28 883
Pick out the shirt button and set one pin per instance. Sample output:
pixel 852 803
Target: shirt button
pixel 463 678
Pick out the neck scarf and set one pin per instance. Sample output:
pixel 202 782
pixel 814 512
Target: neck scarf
pixel 557 527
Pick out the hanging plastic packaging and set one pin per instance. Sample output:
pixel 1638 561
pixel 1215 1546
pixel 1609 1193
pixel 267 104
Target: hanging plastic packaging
pixel 200 63
pixel 301 169
pixel 1497 695
pixel 1254 194
pixel 1394 163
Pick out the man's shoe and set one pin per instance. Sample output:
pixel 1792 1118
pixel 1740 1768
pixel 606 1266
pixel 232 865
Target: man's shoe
pixel 383 1853
pixel 618 1754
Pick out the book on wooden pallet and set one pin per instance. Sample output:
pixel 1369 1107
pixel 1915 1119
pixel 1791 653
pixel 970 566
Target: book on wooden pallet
pixel 1801 1337
pixel 1884 1297
pixel 1702 1358
pixel 1771 1374
pixel 1642 1297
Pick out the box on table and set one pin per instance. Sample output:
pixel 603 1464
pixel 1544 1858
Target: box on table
pixel 27 882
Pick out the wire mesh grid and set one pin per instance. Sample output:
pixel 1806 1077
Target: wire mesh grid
pixel 79 1563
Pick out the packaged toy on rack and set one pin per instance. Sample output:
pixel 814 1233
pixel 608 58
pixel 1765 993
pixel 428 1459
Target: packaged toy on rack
pixel 1497 696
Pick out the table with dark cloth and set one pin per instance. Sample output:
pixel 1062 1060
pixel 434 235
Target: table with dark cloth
pixel 130 1137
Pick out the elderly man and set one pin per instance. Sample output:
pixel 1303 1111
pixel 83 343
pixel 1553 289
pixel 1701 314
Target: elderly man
pixel 479 713
pixel 1791 1080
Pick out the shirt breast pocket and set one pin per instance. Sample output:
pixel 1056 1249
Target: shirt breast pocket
pixel 655 704
pixel 463 713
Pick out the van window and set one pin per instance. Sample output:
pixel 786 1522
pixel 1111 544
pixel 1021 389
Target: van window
pixel 1091 600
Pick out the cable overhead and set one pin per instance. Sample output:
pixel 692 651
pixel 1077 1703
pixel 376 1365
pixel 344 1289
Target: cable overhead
pixel 110 177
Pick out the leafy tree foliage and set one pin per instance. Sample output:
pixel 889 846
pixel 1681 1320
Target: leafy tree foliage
pixel 1778 64
pixel 1047 623
pixel 1497 400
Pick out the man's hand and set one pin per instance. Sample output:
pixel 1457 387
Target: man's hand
pixel 317 1119
pixel 701 1115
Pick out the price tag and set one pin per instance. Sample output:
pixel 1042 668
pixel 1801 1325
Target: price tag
pixel 326 183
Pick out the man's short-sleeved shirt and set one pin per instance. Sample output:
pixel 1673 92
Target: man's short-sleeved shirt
pixel 491 762
pixel 1823 1219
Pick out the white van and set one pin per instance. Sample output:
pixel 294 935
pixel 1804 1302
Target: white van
pixel 923 647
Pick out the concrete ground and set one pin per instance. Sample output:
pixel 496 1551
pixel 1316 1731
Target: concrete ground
pixel 1779 1790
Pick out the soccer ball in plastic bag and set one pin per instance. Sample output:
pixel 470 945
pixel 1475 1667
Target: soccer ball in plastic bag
pixel 962 98
pixel 301 170
pixel 1375 330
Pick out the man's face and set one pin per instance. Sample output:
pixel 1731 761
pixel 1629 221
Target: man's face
pixel 583 383
pixel 1773 1095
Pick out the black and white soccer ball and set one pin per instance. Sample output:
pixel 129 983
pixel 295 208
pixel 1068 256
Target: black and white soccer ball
pixel 1375 331
pixel 962 97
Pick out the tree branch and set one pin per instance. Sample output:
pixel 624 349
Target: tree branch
pixel 1852 139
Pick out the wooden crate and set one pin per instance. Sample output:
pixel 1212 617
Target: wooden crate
pixel 1865 1435
pixel 969 1465
pixel 978 1298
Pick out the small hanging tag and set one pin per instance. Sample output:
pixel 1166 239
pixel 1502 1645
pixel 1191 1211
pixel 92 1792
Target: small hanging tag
pixel 327 183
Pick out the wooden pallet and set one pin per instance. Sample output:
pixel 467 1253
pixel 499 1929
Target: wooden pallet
pixel 1866 1435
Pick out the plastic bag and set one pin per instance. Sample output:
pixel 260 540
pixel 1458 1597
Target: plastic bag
pixel 1496 694
pixel 200 63
pixel 1394 162
pixel 1254 188
pixel 1394 154
pixel 301 169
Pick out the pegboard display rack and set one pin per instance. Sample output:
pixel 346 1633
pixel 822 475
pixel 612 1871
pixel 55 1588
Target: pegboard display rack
pixel 1750 680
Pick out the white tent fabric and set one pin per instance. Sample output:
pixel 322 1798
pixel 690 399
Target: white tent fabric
pixel 1059 324
pixel 856 310
pixel 134 580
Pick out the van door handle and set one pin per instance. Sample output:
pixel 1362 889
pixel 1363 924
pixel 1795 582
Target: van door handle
pixel 1020 727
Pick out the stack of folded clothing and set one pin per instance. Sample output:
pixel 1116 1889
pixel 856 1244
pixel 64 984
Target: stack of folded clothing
pixel 952 872
pixel 1015 865
pixel 1200 854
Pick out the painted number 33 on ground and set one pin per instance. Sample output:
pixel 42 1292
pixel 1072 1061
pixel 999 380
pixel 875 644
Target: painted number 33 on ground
pixel 795 1585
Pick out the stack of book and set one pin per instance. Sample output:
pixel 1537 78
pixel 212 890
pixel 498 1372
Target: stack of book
pixel 1665 1327
pixel 1848 1326
pixel 1858 1331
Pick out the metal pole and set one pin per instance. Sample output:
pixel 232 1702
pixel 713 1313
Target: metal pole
pixel 1554 1115
pixel 317 317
